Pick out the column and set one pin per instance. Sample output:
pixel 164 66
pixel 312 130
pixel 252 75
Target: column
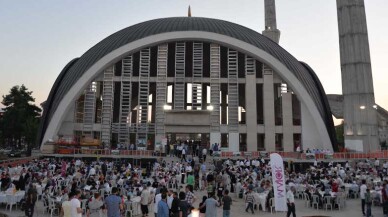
pixel 269 109
pixel 288 128
pixel 250 100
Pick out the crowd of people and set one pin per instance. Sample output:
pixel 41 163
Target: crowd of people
pixel 172 188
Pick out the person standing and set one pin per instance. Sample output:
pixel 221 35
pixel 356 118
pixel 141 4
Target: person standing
pixel 30 200
pixel 145 200
pixel 175 205
pixel 190 179
pixel 291 202
pixel 190 197
pixel 250 200
pixel 211 206
pixel 204 153
pixel 226 202
pixel 66 207
pixel 76 210
pixel 183 154
pixel 94 206
pixel 384 194
pixel 114 203
pixel 368 202
pixel 184 206
pixel 163 207
pixel 157 199
pixel 362 195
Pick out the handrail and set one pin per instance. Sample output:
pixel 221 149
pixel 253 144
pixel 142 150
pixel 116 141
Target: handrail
pixel 16 161
pixel 226 154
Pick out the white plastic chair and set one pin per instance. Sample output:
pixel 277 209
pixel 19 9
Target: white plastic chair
pixel 271 204
pixel 315 201
pixel 328 202
pixel 51 206
pixel 83 204
pixel 11 200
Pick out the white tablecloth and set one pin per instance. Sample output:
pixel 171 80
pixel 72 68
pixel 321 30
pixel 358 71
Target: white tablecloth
pixel 260 199
pixel 18 196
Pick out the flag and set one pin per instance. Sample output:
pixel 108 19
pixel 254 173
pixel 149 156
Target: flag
pixel 279 183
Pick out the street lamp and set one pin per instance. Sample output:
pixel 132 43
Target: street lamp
pixel 362 107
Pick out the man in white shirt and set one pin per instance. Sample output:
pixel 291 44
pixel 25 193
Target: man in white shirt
pixel 184 154
pixel 170 198
pixel 145 200
pixel 377 163
pixel 204 153
pixel 291 202
pixel 76 210
pixel 362 195
pixel 158 198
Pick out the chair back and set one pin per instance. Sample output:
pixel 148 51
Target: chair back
pixel 315 199
pixel 271 202
pixel 328 199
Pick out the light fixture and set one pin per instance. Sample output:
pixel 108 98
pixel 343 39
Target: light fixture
pixel 362 107
pixel 374 106
pixel 210 108
pixel 166 107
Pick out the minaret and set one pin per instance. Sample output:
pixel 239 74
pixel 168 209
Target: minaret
pixel 189 12
pixel 271 30
pixel 360 116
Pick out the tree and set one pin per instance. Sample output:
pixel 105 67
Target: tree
pixel 21 117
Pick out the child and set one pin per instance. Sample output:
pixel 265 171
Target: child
pixel 249 200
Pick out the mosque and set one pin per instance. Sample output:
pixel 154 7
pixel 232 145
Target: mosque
pixel 208 81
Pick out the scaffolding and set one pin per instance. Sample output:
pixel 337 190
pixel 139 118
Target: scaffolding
pixel 197 76
pixel 107 105
pixel 215 87
pixel 161 88
pixel 232 90
pixel 89 109
pixel 125 99
pixel 142 108
pixel 179 92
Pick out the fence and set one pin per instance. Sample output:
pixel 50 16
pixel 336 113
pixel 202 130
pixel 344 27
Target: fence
pixel 16 161
pixel 227 154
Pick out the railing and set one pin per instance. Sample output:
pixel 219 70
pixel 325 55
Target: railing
pixel 99 152
pixel 296 155
pixel 16 161
pixel 227 154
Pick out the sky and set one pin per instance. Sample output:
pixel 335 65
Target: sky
pixel 38 38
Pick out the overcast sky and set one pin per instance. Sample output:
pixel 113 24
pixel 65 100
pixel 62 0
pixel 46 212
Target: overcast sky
pixel 38 38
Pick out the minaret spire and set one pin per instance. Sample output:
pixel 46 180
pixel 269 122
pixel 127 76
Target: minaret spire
pixel 271 30
pixel 189 12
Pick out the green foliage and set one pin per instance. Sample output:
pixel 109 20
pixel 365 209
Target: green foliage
pixel 21 116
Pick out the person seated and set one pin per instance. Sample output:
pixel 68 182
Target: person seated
pixel 320 201
pixel 261 188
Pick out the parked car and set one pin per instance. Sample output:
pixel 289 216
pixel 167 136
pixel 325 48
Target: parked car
pixel 15 153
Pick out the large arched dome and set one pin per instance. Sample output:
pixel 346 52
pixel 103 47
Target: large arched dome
pixel 76 68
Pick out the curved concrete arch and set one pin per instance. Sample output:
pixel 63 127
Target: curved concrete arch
pixel 150 41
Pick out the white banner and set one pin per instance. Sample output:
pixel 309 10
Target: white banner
pixel 279 183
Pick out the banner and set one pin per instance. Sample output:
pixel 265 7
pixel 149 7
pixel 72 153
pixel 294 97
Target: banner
pixel 279 183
